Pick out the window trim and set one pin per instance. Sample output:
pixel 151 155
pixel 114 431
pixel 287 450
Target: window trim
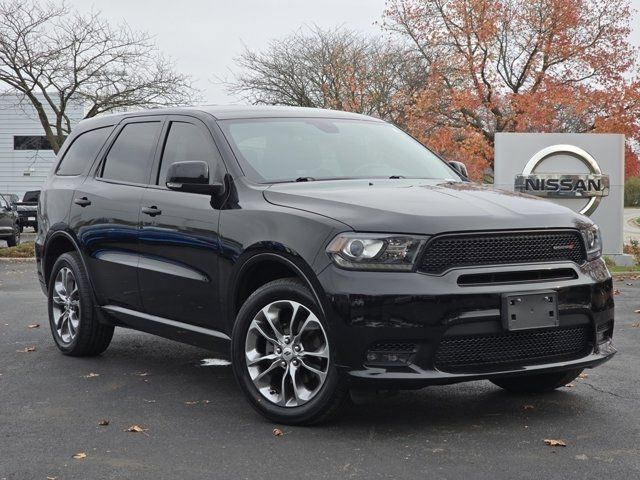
pixel 97 172
pixel 97 154
pixel 162 141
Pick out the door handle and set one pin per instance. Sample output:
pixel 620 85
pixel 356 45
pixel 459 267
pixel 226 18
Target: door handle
pixel 152 211
pixel 83 202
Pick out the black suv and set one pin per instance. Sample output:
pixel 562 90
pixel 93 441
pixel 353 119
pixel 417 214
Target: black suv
pixel 9 221
pixel 329 251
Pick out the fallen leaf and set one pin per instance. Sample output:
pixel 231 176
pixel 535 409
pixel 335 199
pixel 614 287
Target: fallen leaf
pixel 636 311
pixel 629 284
pixel 570 385
pixel 136 429
pixel 616 292
pixel 91 375
pixel 195 402
pixel 79 455
pixel 277 432
pixel 149 401
pixel 141 374
pixel 34 325
pixel 583 375
pixel 104 422
pixel 555 443
pixel 635 325
pixel 528 407
pixel 52 478
pixel 27 349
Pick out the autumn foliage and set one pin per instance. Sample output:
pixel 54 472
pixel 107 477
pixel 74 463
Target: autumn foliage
pixel 519 66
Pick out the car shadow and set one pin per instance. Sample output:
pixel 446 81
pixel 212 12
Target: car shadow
pixel 151 367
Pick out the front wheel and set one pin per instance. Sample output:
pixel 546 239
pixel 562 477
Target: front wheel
pixel 282 356
pixel 14 239
pixel 537 383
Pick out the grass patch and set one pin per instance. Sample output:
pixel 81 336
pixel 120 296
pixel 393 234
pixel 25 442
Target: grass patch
pixel 624 268
pixel 637 221
pixel 24 250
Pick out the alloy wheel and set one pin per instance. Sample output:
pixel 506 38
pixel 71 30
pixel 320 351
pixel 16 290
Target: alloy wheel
pixel 66 305
pixel 287 353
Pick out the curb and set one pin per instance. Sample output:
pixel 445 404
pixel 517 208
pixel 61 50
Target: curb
pixel 17 259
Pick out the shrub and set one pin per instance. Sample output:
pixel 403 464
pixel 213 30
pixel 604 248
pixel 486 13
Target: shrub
pixel 633 248
pixel 632 192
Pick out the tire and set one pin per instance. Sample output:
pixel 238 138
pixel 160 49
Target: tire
pixel 539 383
pixel 14 239
pixel 275 395
pixel 84 336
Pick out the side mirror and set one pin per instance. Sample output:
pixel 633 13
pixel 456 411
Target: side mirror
pixel 192 177
pixel 459 167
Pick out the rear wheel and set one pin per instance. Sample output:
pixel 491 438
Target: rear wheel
pixel 74 324
pixel 538 383
pixel 282 356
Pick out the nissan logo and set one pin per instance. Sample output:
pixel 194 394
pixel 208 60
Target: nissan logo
pixel 593 185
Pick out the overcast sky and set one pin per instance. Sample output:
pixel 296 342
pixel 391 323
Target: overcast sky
pixel 204 36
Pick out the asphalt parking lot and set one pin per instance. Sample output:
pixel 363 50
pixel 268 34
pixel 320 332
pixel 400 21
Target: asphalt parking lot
pixel 197 425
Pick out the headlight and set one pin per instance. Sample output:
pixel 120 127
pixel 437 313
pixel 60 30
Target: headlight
pixel 593 242
pixel 369 251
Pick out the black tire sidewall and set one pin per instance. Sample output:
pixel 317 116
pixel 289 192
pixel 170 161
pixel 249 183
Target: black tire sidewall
pixel 14 239
pixel 316 407
pixel 70 260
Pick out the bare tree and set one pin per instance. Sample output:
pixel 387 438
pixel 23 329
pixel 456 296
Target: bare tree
pixel 55 56
pixel 335 68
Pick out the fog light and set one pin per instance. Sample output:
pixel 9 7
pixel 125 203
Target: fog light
pixel 604 332
pixel 390 354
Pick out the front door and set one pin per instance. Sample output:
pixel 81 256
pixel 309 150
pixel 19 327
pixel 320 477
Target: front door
pixel 179 247
pixel 6 218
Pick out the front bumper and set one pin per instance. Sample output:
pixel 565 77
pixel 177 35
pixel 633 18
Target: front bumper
pixel 365 309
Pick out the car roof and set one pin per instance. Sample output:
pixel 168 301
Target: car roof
pixel 228 112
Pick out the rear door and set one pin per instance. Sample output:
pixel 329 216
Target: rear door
pixel 106 211
pixel 179 244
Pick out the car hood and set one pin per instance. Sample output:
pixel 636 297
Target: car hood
pixel 422 206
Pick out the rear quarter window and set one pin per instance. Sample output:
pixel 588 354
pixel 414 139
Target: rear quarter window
pixel 82 151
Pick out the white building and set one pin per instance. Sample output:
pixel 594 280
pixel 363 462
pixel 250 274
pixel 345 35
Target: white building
pixel 25 157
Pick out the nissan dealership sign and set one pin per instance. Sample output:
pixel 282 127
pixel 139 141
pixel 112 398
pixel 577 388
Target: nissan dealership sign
pixel 584 172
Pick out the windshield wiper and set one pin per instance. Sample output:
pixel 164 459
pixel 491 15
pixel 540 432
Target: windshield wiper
pixel 305 179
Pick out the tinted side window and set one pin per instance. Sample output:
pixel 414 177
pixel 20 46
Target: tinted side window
pixel 3 202
pixel 186 142
pixel 131 155
pixel 82 151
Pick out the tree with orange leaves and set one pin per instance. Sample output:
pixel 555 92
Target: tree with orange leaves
pixel 519 66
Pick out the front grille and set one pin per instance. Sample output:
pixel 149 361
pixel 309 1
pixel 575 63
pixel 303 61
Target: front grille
pixel 394 347
pixel 452 251
pixel 520 276
pixel 512 349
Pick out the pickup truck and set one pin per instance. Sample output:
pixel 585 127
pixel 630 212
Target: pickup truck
pixel 28 209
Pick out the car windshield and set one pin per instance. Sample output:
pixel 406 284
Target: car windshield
pixel 287 149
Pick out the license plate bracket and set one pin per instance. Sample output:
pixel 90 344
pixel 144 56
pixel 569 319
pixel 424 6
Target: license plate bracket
pixel 526 310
